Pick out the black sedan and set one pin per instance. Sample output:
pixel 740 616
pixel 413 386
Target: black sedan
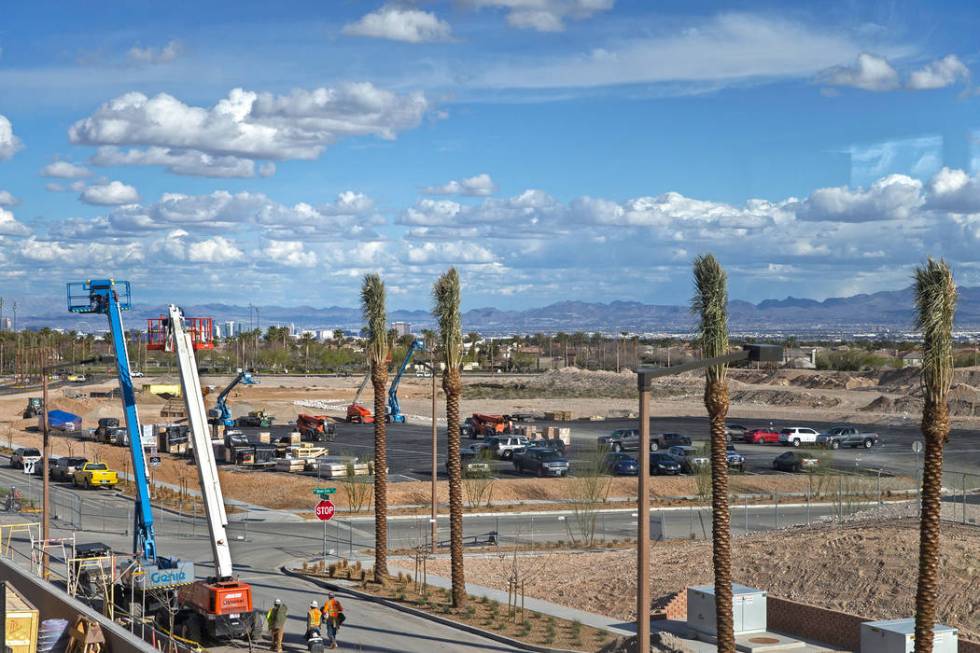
pixel 664 464
pixel 622 464
pixel 795 461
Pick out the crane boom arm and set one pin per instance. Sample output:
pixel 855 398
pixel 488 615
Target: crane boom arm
pixel 394 408
pixel 207 468
pixel 102 296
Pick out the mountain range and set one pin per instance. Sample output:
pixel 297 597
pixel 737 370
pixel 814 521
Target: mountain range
pixel 890 311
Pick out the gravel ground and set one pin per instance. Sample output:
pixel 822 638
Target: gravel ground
pixel 866 567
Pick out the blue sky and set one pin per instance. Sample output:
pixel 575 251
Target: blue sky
pixel 551 149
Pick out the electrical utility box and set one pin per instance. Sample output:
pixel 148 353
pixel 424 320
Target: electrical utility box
pixel 898 636
pixel 748 606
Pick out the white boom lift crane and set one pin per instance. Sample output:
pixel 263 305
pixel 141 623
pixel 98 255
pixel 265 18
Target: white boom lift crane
pixel 219 608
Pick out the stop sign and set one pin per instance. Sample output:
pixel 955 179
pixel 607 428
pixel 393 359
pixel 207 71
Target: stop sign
pixel 324 510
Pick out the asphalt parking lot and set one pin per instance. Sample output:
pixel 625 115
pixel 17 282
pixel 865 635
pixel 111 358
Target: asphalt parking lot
pixel 409 445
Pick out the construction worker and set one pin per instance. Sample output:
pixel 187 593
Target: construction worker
pixel 313 617
pixel 276 620
pixel 333 615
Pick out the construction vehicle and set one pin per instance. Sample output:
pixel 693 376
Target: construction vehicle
pixel 394 409
pixel 316 428
pixel 220 607
pixel 482 425
pixel 256 418
pixel 356 412
pixel 106 430
pixel 34 408
pixel 221 414
pixel 150 573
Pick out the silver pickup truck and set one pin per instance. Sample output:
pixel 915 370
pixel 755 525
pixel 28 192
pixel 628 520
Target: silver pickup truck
pixel 847 436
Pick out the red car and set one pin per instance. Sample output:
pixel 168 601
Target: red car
pixel 761 436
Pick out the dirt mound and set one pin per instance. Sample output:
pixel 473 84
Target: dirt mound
pixel 835 381
pixel 903 379
pixel 901 405
pixel 570 382
pixel 964 401
pixel 783 398
pixel 661 642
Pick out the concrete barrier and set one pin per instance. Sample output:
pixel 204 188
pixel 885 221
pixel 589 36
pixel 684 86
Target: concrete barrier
pixel 52 603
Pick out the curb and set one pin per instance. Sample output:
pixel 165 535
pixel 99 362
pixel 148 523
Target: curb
pixel 473 630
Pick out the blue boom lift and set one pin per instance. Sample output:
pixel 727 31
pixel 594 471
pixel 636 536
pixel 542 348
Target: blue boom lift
pixel 110 298
pixel 221 414
pixel 394 409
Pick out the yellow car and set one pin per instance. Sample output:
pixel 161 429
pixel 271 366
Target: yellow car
pixel 93 475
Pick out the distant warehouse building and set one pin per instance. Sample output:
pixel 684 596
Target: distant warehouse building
pixel 912 359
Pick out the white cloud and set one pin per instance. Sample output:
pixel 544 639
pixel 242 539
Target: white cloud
pixel 454 253
pixel 64 170
pixel 248 125
pixel 6 199
pixel 186 162
pixel 870 73
pixel 110 194
pixel 213 250
pixel 545 15
pixel 939 74
pixel 291 253
pixel 401 24
pixel 955 191
pixel 9 225
pixel 894 197
pixel 479 186
pixel 9 143
pixel 723 49
pixel 149 55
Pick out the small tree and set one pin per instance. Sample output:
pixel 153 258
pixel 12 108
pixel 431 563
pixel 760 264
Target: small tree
pixel 589 490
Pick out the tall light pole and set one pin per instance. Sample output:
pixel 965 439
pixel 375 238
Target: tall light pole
pixel 433 520
pixel 644 377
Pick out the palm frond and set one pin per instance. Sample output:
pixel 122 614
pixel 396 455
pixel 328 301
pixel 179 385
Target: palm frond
pixel 710 301
pixel 446 293
pixel 375 317
pixel 935 303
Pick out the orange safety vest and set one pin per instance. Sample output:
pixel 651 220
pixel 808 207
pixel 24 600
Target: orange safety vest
pixel 332 608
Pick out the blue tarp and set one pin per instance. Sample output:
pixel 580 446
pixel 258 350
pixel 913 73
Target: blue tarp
pixel 64 421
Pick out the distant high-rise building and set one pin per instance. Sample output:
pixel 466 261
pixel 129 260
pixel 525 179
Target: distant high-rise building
pixel 6 324
pixel 402 328
pixel 229 329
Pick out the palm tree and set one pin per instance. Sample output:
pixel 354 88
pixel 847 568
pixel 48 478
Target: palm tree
pixel 935 301
pixel 373 306
pixel 446 294
pixel 711 302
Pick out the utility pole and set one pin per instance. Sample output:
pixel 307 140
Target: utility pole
pixel 435 459
pixel 45 472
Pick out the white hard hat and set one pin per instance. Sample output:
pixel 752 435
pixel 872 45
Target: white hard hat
pixel 313 604
pixel 277 602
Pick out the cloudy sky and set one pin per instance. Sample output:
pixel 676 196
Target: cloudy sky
pixel 551 149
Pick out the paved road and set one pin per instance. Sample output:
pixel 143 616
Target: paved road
pixel 409 445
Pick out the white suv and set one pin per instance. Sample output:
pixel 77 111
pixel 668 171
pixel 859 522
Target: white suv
pixel 797 435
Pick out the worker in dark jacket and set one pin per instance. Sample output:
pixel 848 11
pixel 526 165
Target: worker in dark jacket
pixel 277 624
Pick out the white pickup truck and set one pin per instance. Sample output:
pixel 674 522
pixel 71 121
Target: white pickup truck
pixel 797 435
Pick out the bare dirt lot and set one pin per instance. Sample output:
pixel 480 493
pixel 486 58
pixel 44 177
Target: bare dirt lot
pixel 863 568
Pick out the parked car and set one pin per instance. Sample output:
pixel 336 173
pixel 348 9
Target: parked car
pixel 24 456
pixel 735 459
pixel 66 466
pixel 761 436
pixel 92 475
pixel 39 468
pixel 735 431
pixel 553 444
pixel 136 374
pixel 621 440
pixel 474 459
pixel 662 464
pixel 622 464
pixel 688 458
pixel 795 461
pixel 505 446
pixel 847 436
pixel 667 440
pixel 797 435
pixel 541 462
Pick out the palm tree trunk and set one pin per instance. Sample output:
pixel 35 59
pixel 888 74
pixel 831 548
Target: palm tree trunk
pixel 935 427
pixel 452 385
pixel 379 378
pixel 716 401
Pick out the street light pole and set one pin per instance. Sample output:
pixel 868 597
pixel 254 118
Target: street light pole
pixel 644 376
pixel 46 480
pixel 643 524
